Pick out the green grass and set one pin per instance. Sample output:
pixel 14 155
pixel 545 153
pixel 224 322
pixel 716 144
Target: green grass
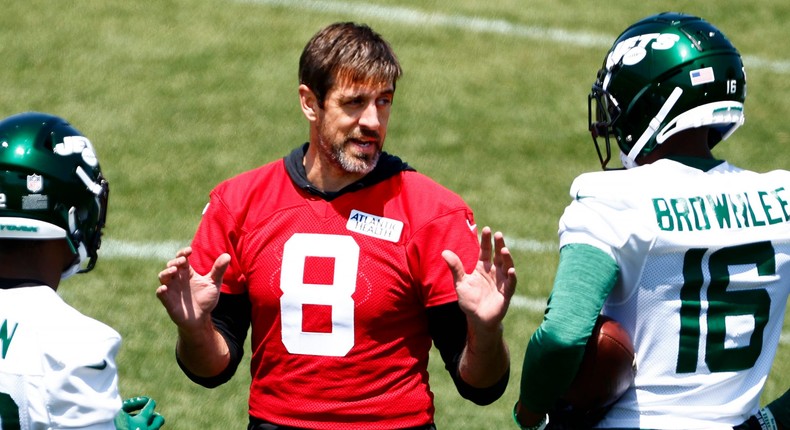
pixel 177 95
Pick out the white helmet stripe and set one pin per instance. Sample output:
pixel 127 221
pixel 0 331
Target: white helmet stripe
pixel 92 186
pixel 655 123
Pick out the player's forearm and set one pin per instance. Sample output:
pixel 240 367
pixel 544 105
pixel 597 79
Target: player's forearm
pixel 485 358
pixel 556 348
pixel 204 352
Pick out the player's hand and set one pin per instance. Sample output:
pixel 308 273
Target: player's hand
pixel 188 296
pixel 484 295
pixel 138 413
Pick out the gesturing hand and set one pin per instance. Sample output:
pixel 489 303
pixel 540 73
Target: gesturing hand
pixel 484 295
pixel 188 296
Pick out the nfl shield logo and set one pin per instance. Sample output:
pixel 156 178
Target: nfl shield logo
pixel 34 183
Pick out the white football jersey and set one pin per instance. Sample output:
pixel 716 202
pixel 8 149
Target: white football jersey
pixel 704 263
pixel 57 366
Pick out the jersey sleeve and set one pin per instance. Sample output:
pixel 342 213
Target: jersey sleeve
pixel 455 231
pixel 585 277
pixel 81 379
pixel 582 221
pixel 218 233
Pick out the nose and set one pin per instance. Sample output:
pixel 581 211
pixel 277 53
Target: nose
pixel 370 117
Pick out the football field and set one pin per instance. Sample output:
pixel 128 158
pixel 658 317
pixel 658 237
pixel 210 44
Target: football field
pixel 177 95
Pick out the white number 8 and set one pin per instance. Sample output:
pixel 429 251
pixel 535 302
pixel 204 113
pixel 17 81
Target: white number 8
pixel 296 293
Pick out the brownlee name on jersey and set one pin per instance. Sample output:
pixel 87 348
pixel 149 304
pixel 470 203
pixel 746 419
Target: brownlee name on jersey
pixel 723 211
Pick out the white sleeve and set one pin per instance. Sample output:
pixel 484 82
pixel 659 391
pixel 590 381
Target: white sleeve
pixel 82 379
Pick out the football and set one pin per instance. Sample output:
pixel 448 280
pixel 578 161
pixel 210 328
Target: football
pixel 607 369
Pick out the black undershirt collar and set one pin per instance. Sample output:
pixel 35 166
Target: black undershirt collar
pixel 387 167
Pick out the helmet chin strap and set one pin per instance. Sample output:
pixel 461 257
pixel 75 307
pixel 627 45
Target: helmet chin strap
pixel 76 265
pixel 651 130
pixel 93 186
pixel 628 163
pixel 82 253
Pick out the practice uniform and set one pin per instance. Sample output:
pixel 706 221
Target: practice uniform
pixel 704 278
pixel 57 366
pixel 337 286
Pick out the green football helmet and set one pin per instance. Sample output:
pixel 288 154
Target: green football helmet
pixel 664 74
pixel 51 186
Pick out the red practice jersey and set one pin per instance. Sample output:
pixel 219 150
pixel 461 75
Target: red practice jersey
pixel 338 291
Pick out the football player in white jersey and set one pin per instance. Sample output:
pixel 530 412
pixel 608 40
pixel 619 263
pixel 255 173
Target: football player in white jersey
pixel 57 366
pixel 689 253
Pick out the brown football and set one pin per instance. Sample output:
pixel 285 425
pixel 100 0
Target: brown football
pixel 607 369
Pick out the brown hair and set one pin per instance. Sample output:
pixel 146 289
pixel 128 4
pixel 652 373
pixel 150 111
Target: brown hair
pixel 346 52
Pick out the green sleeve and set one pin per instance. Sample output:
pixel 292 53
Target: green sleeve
pixel 585 277
pixel 780 408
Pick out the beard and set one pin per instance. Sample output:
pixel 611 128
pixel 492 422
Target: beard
pixel 344 153
pixel 361 163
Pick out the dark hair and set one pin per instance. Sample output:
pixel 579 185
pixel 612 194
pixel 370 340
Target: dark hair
pixel 346 52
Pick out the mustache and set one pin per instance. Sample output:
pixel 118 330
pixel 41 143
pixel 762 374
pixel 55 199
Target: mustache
pixel 365 134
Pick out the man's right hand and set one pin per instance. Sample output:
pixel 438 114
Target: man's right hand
pixel 188 296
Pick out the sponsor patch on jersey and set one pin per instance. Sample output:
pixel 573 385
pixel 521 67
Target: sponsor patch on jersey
pixel 374 226
pixel 701 76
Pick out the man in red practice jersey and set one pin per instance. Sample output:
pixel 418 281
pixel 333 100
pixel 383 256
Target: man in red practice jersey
pixel 346 263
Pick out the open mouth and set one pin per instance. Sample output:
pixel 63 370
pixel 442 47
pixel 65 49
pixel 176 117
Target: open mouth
pixel 364 143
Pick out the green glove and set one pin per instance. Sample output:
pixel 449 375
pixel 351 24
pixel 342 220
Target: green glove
pixel 138 413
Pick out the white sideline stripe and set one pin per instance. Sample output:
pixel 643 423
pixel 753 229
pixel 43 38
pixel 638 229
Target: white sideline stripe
pixel 529 245
pixel 116 249
pixel 532 304
pixel 481 25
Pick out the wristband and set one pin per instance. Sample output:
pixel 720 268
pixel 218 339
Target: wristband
pixel 539 426
pixel 766 419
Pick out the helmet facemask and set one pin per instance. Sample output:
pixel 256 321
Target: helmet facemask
pixel 607 111
pixel 86 244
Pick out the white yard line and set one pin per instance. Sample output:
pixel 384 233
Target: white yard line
pixel 421 18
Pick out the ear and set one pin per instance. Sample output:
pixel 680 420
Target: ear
pixel 308 102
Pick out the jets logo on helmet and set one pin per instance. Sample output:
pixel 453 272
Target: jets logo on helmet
pixel 631 51
pixel 51 186
pixel 665 74
pixel 77 145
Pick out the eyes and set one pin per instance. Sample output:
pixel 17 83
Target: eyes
pixel 362 101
